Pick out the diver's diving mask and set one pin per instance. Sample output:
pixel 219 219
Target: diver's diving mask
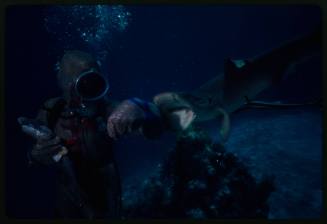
pixel 91 85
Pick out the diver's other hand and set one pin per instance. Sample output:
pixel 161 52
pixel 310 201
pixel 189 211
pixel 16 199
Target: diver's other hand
pixel 49 151
pixel 126 118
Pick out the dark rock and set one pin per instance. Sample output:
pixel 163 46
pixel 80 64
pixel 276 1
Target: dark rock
pixel 199 179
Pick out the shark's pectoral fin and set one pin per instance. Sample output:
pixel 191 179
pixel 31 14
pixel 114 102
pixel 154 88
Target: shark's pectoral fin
pixel 225 124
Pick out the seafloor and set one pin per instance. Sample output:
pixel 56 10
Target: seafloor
pixel 283 144
pixel 287 144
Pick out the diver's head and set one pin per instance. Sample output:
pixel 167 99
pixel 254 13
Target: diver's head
pixel 79 77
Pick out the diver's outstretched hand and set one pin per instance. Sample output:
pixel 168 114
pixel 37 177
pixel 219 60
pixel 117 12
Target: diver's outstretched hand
pixel 126 118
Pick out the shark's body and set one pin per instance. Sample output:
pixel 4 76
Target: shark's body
pixel 242 79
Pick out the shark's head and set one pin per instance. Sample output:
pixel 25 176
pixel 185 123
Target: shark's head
pixel 180 111
pixel 176 110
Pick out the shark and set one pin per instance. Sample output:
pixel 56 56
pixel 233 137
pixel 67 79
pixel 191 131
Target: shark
pixel 240 81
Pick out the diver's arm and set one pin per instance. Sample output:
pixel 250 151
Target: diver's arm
pixel 153 124
pixel 44 149
pixel 135 115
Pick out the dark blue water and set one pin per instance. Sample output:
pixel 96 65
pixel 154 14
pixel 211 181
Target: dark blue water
pixel 164 48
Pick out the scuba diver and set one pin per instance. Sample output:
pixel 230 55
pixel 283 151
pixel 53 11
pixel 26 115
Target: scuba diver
pixel 75 133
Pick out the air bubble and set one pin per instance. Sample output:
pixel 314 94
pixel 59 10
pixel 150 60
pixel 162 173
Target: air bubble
pixel 91 25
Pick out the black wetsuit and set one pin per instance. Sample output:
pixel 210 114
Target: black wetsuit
pixel 88 185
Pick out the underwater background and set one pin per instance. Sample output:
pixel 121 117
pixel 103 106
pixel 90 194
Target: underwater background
pixel 145 50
